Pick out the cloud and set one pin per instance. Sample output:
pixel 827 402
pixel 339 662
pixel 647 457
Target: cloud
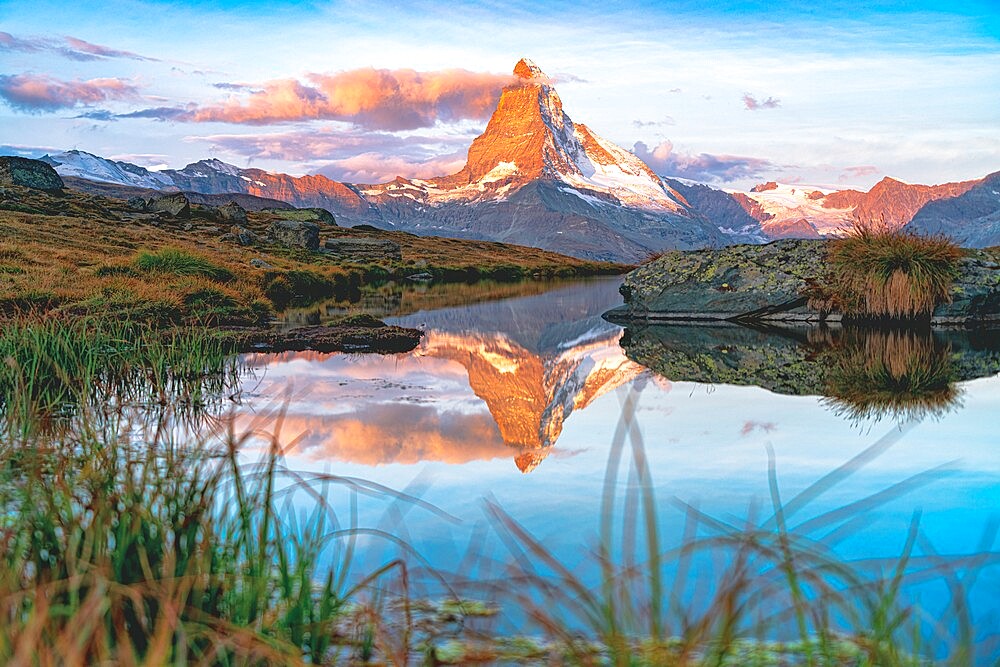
pixel 666 120
pixel 34 152
pixel 854 173
pixel 330 142
pixel 67 47
pixel 702 167
pixel 376 99
pixel 751 426
pixel 81 46
pixel 751 103
pixel 379 168
pixel 36 93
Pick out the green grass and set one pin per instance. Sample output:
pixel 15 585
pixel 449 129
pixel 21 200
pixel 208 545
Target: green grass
pixel 178 262
pixel 882 273
pixel 57 366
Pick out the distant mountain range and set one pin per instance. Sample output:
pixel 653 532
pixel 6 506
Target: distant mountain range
pixel 534 177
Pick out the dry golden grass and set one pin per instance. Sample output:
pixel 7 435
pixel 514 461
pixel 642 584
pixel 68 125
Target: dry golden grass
pixel 882 273
pixel 83 253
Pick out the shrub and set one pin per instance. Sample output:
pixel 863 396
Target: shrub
pixel 180 263
pixel 876 272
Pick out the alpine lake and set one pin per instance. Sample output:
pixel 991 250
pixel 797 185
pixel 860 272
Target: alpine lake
pixel 539 450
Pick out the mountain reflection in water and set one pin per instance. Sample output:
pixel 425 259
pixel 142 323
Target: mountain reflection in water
pixel 499 378
pixel 530 362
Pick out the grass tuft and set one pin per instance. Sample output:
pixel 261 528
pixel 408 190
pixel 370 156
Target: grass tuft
pixel 179 262
pixel 881 273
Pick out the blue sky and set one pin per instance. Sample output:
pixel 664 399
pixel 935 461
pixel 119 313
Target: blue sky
pixel 734 93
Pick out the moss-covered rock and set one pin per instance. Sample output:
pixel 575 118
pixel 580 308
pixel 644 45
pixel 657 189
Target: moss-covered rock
pixel 28 173
pixel 772 282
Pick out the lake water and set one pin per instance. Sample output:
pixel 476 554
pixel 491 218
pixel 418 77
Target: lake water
pixel 519 400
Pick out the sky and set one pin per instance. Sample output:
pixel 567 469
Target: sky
pixel 731 93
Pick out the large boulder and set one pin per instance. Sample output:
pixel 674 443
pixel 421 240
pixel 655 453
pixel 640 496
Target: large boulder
pixel 769 283
pixel 319 216
pixel 295 234
pixel 29 173
pixel 175 205
pixel 233 212
pixel 363 250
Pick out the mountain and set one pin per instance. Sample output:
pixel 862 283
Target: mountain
pixel 534 177
pixel 94 168
pixel 796 211
pixel 972 218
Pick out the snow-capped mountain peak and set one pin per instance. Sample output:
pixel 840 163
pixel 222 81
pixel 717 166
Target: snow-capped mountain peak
pixel 81 164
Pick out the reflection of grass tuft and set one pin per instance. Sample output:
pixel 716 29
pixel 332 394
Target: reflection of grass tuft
pixel 877 272
pixel 896 373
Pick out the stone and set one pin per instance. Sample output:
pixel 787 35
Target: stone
pixel 240 235
pixel 319 216
pixel 363 249
pixel 28 173
pixel 175 205
pixel 258 263
pixel 137 204
pixel 295 234
pixel 768 283
pixel 421 277
pixel 233 212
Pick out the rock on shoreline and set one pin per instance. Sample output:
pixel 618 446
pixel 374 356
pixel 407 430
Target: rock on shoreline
pixel 361 333
pixel 766 283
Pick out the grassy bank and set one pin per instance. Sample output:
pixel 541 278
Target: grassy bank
pixel 82 253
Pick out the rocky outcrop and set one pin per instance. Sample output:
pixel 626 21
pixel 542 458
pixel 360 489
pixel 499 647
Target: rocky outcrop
pixel 175 205
pixel 29 174
pixel 356 334
pixel 363 250
pixel 768 283
pixel 295 234
pixel 233 212
pixel 318 216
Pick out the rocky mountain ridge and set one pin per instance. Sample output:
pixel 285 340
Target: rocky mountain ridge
pixel 535 177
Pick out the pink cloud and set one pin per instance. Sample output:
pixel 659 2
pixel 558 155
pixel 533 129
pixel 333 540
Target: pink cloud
pixel 69 47
pixel 378 168
pixel 82 46
pixel 666 161
pixel 373 98
pixel 32 93
pixel 751 103
pixel 751 426
pixel 853 173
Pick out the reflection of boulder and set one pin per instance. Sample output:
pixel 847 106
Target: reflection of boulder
pixel 865 372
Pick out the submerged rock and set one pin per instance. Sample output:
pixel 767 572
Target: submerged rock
pixel 29 173
pixel 768 283
pixel 356 334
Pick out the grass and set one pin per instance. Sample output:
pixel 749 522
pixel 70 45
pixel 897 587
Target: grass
pixel 56 367
pixel 82 254
pixel 882 273
pixel 134 540
pixel 179 262
pixel 897 373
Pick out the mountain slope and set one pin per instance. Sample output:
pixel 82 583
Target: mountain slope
pixel 971 219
